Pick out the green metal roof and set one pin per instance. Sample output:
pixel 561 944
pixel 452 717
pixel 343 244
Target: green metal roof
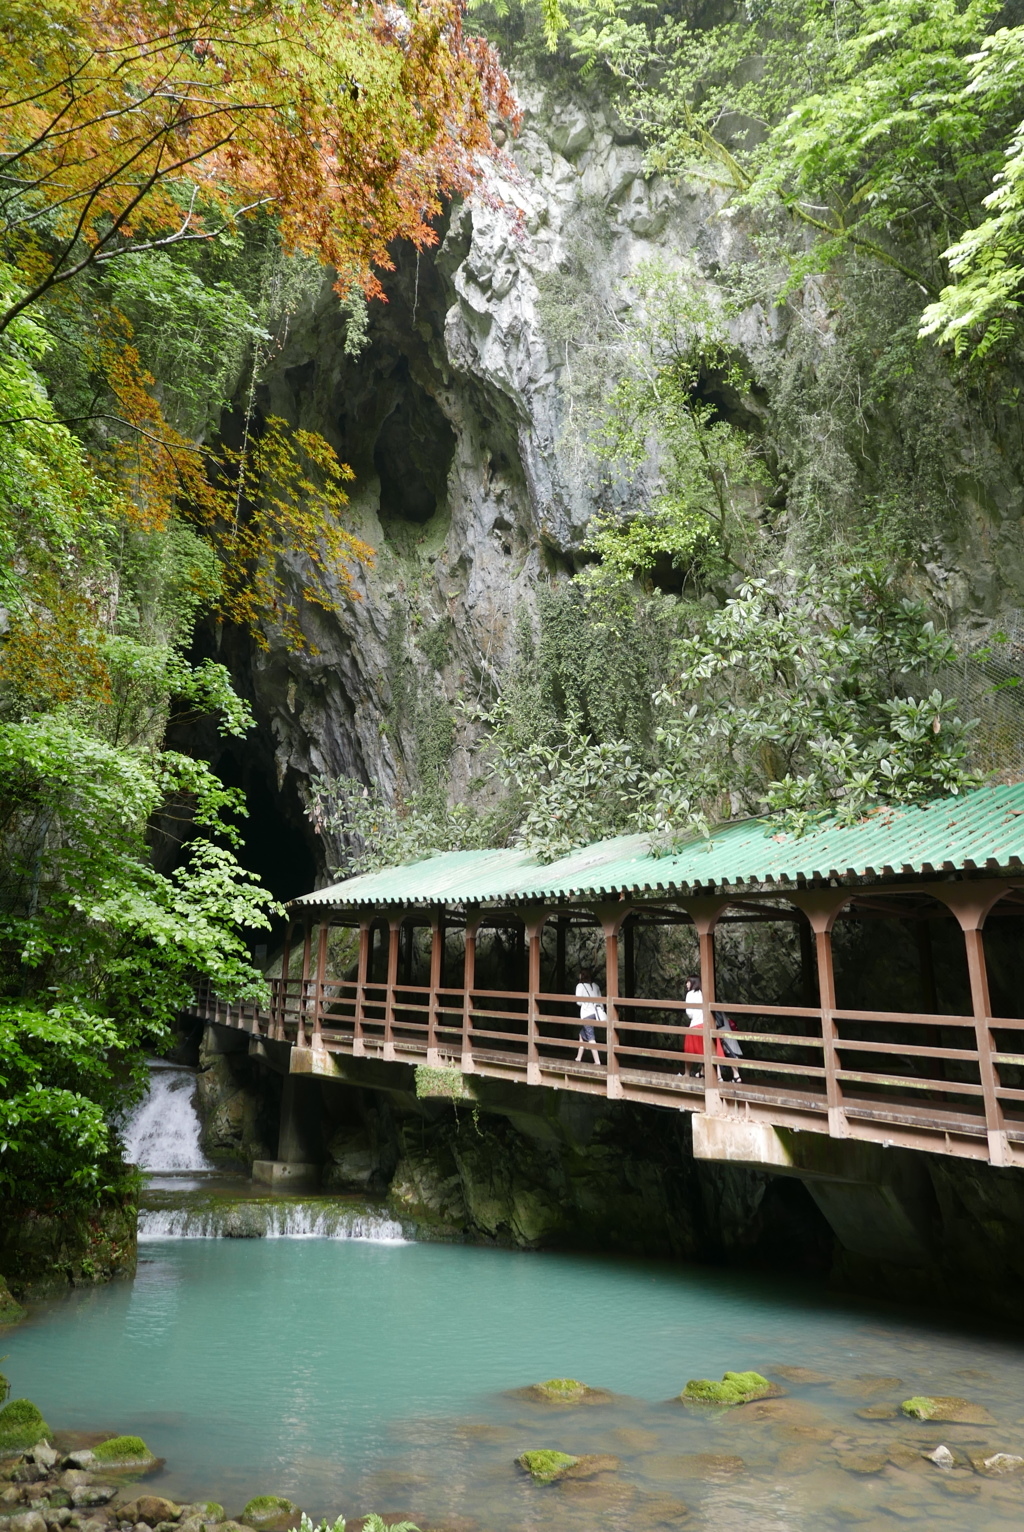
pixel 980 829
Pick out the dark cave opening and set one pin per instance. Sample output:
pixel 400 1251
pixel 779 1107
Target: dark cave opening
pixel 413 453
pixel 271 846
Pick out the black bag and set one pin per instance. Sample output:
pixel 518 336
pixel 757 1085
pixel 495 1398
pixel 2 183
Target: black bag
pixel 730 1047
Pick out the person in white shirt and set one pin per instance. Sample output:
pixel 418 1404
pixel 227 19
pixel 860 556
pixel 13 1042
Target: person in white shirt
pixel 693 999
pixel 587 993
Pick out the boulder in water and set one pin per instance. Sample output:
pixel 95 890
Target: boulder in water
pixel 203 1510
pixel 124 1452
pixel 735 1388
pixel 269 1511
pixel 946 1407
pixel 566 1391
pixel 995 1464
pixel 21 1426
pixel 545 1465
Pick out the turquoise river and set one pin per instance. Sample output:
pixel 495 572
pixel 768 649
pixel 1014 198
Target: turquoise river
pixel 351 1376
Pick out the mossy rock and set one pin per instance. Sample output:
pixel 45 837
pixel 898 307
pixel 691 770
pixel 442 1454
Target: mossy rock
pixel 544 1465
pixel 942 1407
pixel 205 1510
pixel 21 1426
pixel 566 1391
pixel 268 1511
pixel 10 1313
pixel 123 1452
pixel 735 1388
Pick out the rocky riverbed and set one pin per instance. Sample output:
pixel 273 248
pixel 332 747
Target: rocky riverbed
pixel 922 1460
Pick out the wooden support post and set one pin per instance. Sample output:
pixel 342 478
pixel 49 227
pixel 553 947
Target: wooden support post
pixel 321 976
pixel 611 917
pixel 821 906
pixel 307 943
pixel 704 912
pixel 434 999
pixel 395 928
pixel 282 996
pixel 522 972
pixel 560 928
pixel 613 1084
pixel 970 903
pixel 362 973
pixel 533 925
pixel 468 981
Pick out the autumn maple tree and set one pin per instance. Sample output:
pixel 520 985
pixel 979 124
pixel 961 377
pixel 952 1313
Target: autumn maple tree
pixel 129 127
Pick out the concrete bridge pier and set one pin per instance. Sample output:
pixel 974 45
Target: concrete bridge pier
pixel 879 1201
pixel 299 1148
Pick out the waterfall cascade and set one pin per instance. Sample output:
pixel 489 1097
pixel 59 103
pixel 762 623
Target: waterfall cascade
pixel 162 1133
pixel 320 1219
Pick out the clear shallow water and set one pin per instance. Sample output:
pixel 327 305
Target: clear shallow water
pixel 354 1376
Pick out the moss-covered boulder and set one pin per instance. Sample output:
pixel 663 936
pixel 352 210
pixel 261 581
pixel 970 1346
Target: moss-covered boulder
pixel 10 1312
pixel 735 1388
pixel 204 1510
pixel 21 1426
pixel 544 1465
pixel 946 1407
pixel 123 1452
pixel 268 1511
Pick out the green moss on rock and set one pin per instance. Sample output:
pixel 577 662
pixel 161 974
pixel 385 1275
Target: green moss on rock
pixel 123 1449
pixel 946 1407
pixel 561 1389
pixel 265 1510
pixel 735 1388
pixel 544 1465
pixel 21 1426
pixel 10 1312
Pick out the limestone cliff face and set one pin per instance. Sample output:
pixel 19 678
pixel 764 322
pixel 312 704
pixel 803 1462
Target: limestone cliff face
pixel 454 419
pixel 469 483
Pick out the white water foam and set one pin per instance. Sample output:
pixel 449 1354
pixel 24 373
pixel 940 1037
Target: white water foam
pixel 162 1133
pixel 296 1220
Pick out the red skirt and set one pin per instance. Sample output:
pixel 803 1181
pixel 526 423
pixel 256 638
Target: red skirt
pixel 693 1042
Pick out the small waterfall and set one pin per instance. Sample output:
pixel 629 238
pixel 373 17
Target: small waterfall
pixel 162 1133
pixel 270 1220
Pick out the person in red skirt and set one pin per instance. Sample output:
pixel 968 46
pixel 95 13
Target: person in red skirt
pixel 694 1040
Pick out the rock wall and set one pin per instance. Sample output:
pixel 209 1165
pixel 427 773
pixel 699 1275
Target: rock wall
pixel 42 1256
pixel 471 487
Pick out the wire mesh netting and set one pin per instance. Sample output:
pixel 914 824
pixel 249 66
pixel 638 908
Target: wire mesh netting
pixel 987 681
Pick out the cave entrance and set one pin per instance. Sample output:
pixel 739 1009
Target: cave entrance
pixel 412 455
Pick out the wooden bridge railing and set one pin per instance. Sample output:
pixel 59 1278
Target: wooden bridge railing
pixel 853 1073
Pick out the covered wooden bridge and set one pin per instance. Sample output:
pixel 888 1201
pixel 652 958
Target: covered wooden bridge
pixel 902 937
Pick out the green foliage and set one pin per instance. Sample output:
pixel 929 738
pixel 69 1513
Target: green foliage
pixel 673 347
pixel 21 1426
pixel 793 699
pixel 366 830
pixel 192 334
pixel 978 311
pixel 801 695
pixel 890 129
pixel 448 1083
